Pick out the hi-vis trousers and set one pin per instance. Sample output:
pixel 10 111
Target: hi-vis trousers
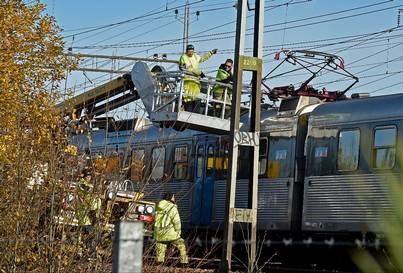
pixel 179 244
pixel 191 90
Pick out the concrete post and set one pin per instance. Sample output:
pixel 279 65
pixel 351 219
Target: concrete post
pixel 244 137
pixel 128 248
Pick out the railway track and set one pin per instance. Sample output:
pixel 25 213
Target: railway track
pixel 169 269
pixel 202 265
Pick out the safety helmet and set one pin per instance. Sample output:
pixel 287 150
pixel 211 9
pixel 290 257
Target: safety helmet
pixel 190 47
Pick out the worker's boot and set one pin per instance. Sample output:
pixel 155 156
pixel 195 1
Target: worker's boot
pixel 184 260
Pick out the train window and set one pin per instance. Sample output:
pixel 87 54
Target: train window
pixel 243 162
pixel 181 162
pixel 138 166
pixel 384 151
pixel 221 161
pixel 281 155
pixel 125 163
pixel 112 163
pixel 200 161
pixel 279 158
pixel 157 163
pixel 320 152
pixel 277 164
pixel 210 160
pixel 108 165
pixel 348 150
pixel 263 156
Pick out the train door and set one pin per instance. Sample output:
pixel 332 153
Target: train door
pixel 203 188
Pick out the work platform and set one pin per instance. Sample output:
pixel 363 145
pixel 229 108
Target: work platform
pixel 163 96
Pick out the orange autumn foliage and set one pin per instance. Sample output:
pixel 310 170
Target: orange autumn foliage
pixel 32 64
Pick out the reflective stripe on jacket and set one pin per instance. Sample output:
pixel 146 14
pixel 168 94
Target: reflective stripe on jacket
pixel 167 225
pixel 191 64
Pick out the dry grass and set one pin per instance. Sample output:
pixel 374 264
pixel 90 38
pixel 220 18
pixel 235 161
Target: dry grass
pixel 173 269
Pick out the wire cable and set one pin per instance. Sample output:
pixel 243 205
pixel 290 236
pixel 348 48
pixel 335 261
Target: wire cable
pixel 128 20
pixel 175 41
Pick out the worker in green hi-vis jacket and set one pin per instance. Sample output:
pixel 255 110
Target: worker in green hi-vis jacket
pixel 224 75
pixel 87 212
pixel 167 229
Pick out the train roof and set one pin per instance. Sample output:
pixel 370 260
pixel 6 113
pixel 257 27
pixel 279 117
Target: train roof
pixel 146 133
pixel 271 121
pixel 286 117
pixel 358 110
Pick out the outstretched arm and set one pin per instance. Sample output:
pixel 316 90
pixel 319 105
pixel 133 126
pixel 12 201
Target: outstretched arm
pixel 207 56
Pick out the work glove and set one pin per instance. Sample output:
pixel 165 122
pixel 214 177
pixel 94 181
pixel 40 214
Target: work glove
pixel 214 51
pixel 202 75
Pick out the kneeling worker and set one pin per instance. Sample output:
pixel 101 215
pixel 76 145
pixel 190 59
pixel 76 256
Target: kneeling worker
pixel 167 229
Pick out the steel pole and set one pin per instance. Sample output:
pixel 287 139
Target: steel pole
pixel 247 137
pixel 186 26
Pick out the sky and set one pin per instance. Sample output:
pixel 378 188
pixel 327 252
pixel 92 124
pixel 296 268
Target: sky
pixel 365 33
